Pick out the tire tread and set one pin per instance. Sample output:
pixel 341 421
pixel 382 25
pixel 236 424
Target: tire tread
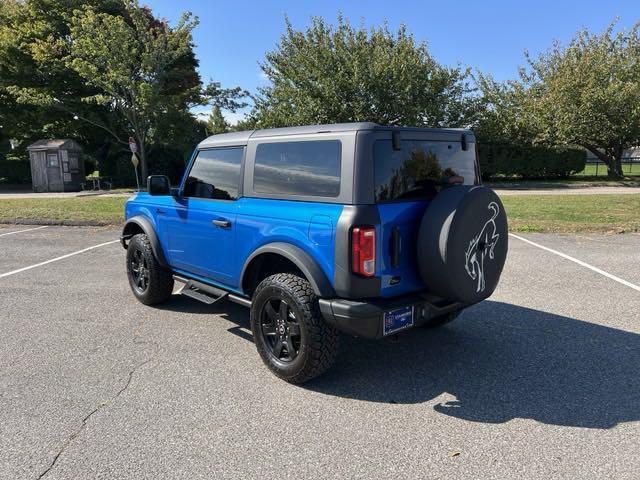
pixel 160 278
pixel 323 339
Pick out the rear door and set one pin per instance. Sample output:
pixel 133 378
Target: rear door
pixel 200 228
pixel 406 179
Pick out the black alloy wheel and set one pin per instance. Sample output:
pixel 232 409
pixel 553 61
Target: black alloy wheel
pixel 289 331
pixel 281 329
pixel 139 271
pixel 150 282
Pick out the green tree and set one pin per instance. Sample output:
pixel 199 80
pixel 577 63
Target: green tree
pixel 103 66
pixel 33 71
pixel 142 67
pixel 505 116
pixel 8 119
pixel 588 94
pixel 344 74
pixel 216 123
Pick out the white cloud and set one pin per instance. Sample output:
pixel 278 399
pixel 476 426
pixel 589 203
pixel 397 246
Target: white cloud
pixel 231 117
pixel 202 115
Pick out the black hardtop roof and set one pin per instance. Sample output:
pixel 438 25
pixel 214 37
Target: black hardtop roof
pixel 241 138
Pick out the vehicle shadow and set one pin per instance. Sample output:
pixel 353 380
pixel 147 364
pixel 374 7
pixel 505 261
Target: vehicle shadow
pixel 183 304
pixel 228 310
pixel 499 361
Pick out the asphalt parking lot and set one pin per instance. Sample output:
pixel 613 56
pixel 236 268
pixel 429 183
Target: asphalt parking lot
pixel 541 381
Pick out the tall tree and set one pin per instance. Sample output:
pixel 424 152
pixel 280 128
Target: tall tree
pixel 505 116
pixel 588 93
pixel 108 65
pixel 329 74
pixel 40 93
pixel 142 67
pixel 216 123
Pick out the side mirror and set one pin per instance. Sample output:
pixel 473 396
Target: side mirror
pixel 158 185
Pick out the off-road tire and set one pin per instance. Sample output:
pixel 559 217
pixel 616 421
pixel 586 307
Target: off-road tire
pixel 318 346
pixel 159 284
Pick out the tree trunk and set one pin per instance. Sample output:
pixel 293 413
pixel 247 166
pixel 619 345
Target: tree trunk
pixel 614 167
pixel 614 154
pixel 613 160
pixel 618 164
pixel 618 152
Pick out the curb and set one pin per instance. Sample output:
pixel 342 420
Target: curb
pixel 44 221
pixel 104 194
pixel 556 186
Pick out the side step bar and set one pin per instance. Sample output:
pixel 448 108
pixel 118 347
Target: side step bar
pixel 207 293
pixel 203 297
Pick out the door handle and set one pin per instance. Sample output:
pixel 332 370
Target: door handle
pixel 222 223
pixel 159 211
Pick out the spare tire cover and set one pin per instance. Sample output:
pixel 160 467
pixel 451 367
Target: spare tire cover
pixel 462 243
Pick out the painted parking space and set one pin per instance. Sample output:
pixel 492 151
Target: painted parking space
pixel 616 254
pixel 601 257
pixel 10 231
pixel 32 245
pixel 539 379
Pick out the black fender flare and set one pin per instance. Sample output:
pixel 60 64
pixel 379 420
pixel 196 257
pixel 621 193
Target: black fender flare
pixel 147 227
pixel 301 259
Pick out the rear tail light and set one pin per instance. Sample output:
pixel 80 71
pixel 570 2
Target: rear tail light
pixel 363 251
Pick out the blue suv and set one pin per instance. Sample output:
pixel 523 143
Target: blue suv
pixel 356 228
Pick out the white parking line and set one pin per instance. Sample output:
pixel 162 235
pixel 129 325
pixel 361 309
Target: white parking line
pixel 57 258
pixel 22 231
pixel 579 262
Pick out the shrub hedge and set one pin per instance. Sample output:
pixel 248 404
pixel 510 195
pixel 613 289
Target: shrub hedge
pixel 15 171
pixel 529 162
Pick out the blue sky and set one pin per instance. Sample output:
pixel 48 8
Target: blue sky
pixel 491 36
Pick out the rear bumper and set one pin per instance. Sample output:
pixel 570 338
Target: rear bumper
pixel 365 318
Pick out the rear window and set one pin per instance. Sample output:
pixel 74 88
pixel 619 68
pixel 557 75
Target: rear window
pixel 298 168
pixel 418 170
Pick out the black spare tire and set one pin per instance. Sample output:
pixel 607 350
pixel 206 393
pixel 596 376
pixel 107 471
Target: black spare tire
pixel 462 243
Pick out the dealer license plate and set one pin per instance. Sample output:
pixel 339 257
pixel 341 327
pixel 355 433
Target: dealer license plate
pixel 397 319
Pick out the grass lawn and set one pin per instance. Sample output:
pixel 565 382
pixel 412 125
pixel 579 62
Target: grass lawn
pixel 102 209
pixel 575 181
pixel 527 213
pixel 629 169
pixel 573 213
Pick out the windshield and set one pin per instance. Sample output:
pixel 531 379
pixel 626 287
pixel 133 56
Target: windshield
pixel 420 168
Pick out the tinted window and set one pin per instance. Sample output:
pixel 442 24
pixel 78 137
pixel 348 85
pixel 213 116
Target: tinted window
pixel 419 169
pixel 215 174
pixel 298 168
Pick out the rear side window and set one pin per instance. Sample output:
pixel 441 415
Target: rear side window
pixel 298 168
pixel 215 174
pixel 419 168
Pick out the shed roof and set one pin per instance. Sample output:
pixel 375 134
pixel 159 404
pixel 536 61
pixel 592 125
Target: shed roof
pixel 52 144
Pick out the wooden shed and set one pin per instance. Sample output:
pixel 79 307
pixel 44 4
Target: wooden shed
pixel 56 166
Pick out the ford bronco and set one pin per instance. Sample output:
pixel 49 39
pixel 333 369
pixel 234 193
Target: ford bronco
pixel 356 228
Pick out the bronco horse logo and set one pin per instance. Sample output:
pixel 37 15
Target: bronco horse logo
pixel 480 246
